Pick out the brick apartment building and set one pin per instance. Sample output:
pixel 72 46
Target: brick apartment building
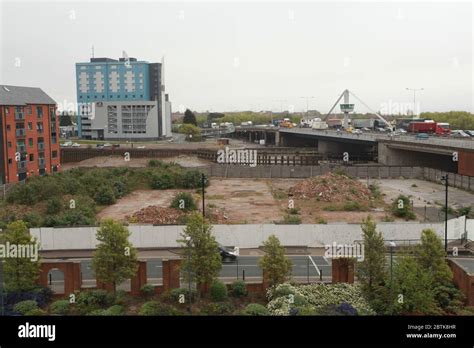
pixel 29 133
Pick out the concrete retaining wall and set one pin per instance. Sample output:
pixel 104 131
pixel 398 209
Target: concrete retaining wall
pixel 456 180
pixel 248 236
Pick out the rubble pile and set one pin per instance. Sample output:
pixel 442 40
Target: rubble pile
pixel 156 215
pixel 331 188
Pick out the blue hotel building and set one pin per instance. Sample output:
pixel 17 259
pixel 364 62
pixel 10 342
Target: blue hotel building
pixel 111 80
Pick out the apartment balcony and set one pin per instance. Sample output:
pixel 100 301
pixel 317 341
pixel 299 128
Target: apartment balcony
pixel 22 167
pixel 41 147
pixel 19 116
pixel 21 148
pixel 20 133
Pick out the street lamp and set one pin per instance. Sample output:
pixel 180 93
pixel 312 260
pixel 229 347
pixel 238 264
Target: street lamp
pixel 188 241
pixel 307 107
pixel 203 184
pixel 414 97
pixel 392 245
pixel 445 179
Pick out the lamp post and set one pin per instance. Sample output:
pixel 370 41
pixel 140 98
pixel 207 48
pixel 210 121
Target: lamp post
pixel 1 290
pixel 307 105
pixel 203 184
pixel 188 241
pixel 414 97
pixel 445 179
pixel 391 245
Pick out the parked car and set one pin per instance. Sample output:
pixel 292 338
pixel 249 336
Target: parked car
pixel 66 144
pixel 459 134
pixel 422 136
pixel 107 145
pixel 470 132
pixel 76 145
pixel 356 131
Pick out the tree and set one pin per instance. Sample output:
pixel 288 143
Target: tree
pixel 201 251
pixel 431 257
pixel 22 270
pixel 371 272
pixel 115 259
pixel 193 133
pixel 412 288
pixel 275 265
pixel 189 117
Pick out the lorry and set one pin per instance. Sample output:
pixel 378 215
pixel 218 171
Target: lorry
pixel 319 125
pixel 429 127
pixel 286 123
pixel 369 123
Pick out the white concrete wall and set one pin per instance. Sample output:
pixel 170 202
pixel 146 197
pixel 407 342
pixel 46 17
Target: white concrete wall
pixel 248 236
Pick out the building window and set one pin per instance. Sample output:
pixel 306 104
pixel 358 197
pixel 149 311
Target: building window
pixel 54 154
pixel 8 127
pixel 30 142
pixel 9 161
pixel 28 110
pixel 32 157
pixel 80 97
pixel 9 144
pixel 39 111
pixel 7 110
pixel 30 126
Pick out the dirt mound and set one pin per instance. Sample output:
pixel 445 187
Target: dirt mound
pixel 331 188
pixel 156 215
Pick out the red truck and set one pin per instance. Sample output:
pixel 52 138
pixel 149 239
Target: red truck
pixel 429 127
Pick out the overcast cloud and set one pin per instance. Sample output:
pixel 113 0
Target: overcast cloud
pixel 240 56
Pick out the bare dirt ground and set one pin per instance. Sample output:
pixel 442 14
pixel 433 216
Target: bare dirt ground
pixel 137 200
pixel 266 201
pixel 118 161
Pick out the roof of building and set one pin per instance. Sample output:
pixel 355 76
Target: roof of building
pixel 16 95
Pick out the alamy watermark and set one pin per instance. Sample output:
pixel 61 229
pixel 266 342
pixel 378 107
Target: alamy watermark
pixel 20 251
pixel 352 251
pixel 237 156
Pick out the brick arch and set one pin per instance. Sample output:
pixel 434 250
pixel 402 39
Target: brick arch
pixel 71 271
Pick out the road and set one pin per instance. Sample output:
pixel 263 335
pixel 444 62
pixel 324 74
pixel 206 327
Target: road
pixel 306 269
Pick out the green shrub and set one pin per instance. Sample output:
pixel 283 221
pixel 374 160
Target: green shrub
pixel 33 219
pixel 293 211
pixel 155 163
pixel 218 291
pixel 185 198
pixel 105 196
pixel 115 310
pixel 256 309
pixel 121 297
pixel 352 206
pixel 219 308
pixel 292 219
pixel 176 293
pixel 24 307
pixel 402 207
pixel 88 301
pixel 53 205
pixel 156 308
pixel 60 307
pixel 239 288
pixel 36 312
pixel 192 179
pixel 147 290
pixel 162 181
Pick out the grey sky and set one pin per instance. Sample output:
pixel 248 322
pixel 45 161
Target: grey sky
pixel 229 56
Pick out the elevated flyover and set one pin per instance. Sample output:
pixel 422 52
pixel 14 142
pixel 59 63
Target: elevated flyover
pixel 454 155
